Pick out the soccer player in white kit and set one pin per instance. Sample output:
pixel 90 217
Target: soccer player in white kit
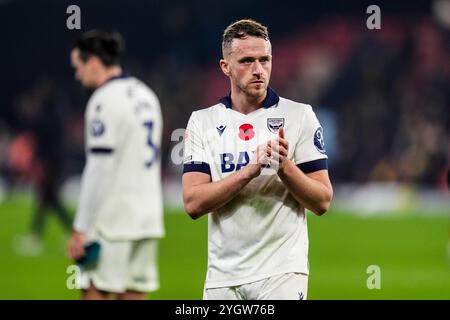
pixel 120 203
pixel 255 162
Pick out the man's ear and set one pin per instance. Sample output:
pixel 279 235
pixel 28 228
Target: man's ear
pixel 225 67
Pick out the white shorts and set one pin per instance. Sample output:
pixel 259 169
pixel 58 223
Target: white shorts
pixel 124 265
pixel 286 286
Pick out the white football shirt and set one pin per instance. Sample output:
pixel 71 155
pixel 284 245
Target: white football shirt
pixel 263 230
pixel 123 121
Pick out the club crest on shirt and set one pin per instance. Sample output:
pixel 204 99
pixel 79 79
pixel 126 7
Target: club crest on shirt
pixel 319 141
pixel 275 124
pixel 97 128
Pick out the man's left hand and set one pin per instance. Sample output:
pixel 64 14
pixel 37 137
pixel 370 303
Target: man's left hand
pixel 75 249
pixel 278 151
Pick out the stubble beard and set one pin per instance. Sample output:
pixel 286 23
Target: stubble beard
pixel 250 92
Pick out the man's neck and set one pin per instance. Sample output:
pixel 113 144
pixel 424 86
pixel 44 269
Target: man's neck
pixel 246 104
pixel 108 74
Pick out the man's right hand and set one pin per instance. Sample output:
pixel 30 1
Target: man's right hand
pixel 75 248
pixel 259 160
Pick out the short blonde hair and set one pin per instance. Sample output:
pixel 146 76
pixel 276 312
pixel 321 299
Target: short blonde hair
pixel 241 29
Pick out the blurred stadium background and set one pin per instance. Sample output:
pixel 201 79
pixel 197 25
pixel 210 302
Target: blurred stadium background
pixel 383 97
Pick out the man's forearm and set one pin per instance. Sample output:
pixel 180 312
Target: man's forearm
pixel 208 197
pixel 312 194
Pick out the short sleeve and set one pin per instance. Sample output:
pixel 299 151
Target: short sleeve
pixel 195 159
pixel 310 154
pixel 103 128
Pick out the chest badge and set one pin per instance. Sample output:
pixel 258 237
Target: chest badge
pixel 275 124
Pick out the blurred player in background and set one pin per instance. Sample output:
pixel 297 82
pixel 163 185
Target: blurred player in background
pixel 255 161
pixel 41 114
pixel 121 199
pixel 448 241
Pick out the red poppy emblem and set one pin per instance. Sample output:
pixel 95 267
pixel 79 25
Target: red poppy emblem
pixel 246 131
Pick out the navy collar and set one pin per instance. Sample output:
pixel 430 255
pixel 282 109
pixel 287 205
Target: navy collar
pixel 120 76
pixel 272 98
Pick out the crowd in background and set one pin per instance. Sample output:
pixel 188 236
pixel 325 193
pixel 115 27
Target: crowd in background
pixel 382 96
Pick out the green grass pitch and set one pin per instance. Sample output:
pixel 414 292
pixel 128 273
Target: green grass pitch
pixel 411 252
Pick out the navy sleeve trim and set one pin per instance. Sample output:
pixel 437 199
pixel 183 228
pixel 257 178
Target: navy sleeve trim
pixel 102 150
pixel 196 167
pixel 312 166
